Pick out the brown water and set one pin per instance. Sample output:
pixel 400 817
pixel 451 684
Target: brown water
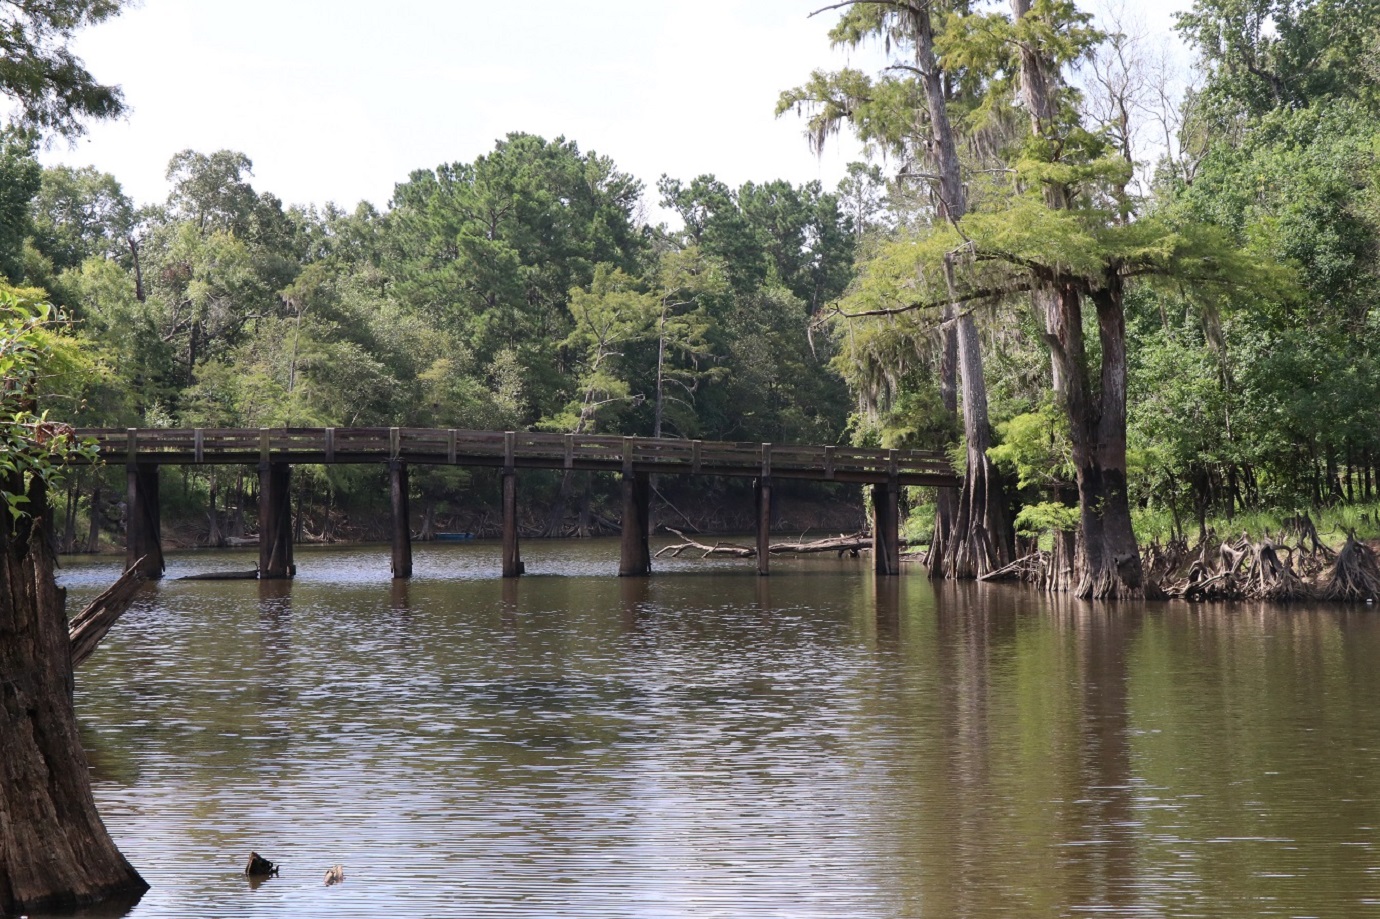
pixel 707 743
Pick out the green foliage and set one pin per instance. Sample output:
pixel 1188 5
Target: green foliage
pixel 78 214
pixel 20 178
pixel 31 353
pixel 490 251
pixel 50 85
pixel 1266 55
pixel 1035 447
pixel 1044 517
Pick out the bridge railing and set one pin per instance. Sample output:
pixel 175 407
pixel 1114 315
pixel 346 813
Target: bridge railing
pixel 509 448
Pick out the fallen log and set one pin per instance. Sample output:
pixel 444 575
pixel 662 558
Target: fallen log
pixel 729 549
pixel 840 544
pixel 222 576
pixel 1027 568
pixel 88 627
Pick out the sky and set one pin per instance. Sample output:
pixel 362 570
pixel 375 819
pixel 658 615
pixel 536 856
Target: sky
pixel 339 100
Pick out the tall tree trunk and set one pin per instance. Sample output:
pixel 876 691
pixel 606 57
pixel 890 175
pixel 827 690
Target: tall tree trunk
pixel 69 521
pixel 946 499
pixel 1097 426
pixel 55 852
pixel 93 536
pixel 980 539
pixel 1097 418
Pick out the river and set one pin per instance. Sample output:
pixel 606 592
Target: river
pixel 708 743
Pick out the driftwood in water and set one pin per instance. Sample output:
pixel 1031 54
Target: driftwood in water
pixel 1028 569
pixel 88 627
pixel 730 549
pixel 222 576
pixel 841 544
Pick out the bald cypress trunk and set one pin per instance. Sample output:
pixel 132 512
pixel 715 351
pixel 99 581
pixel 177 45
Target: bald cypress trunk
pixel 55 852
pixel 980 539
pixel 1109 557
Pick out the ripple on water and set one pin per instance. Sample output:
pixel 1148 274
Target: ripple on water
pixel 710 743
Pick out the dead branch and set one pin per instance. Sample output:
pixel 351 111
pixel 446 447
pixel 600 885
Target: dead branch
pixel 88 627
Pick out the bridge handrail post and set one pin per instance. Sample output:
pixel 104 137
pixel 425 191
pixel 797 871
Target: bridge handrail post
pixel 509 450
pixel 264 444
pixel 394 443
pixel 132 446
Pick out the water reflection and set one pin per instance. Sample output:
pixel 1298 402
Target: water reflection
pixel 707 742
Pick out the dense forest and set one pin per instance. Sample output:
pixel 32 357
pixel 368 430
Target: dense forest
pixel 1132 302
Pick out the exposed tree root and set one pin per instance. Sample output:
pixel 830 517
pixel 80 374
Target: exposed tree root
pixel 1294 565
pixel 1356 574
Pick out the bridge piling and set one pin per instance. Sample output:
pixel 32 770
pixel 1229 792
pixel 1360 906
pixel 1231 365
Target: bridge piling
pixel 512 553
pixel 635 556
pixel 763 489
pixel 886 528
pixel 402 530
pixel 143 520
pixel 275 522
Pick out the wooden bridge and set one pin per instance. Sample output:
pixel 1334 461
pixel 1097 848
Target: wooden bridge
pixel 274 451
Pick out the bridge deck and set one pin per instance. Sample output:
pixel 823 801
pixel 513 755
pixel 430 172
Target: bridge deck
pixel 517 450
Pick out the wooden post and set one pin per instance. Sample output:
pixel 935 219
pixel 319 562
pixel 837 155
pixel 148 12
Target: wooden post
pixel 512 554
pixel 886 528
pixel 143 521
pixel 763 525
pixel 636 556
pixel 402 530
pixel 275 521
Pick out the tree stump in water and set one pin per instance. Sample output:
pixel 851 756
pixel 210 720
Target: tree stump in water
pixel 258 866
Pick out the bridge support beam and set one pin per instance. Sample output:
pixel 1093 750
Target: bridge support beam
pixel 402 529
pixel 763 525
pixel 512 554
pixel 275 522
pixel 143 520
pixel 635 559
pixel 886 528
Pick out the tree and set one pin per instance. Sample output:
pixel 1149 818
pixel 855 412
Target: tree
pixel 971 535
pixel 1275 54
pixel 490 250
pixel 50 85
pixel 80 213
pixel 20 177
pixel 55 851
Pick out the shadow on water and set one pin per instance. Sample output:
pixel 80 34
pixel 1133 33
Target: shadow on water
pixel 116 907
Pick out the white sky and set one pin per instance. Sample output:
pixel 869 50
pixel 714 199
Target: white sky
pixel 338 100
